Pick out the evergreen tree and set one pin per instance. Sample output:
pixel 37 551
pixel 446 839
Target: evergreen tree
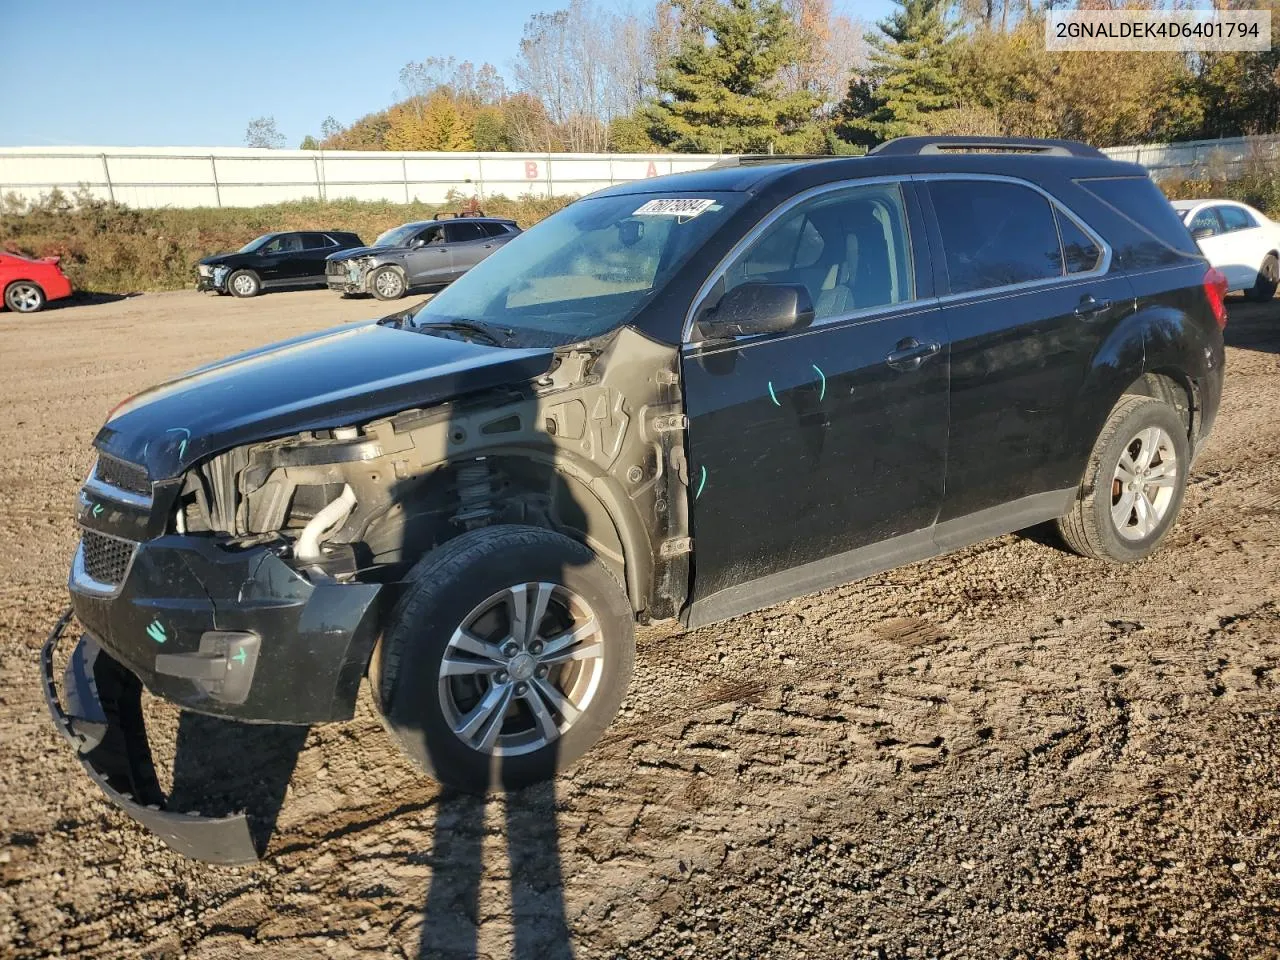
pixel 910 75
pixel 719 92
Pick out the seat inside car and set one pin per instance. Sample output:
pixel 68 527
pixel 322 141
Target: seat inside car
pixel 863 275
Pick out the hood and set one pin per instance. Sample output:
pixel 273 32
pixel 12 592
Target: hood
pixel 337 377
pixel 353 252
pixel 216 258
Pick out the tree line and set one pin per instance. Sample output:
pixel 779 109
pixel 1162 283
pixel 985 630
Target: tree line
pixel 798 76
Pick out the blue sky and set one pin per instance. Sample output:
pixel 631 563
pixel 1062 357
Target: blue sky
pixel 173 72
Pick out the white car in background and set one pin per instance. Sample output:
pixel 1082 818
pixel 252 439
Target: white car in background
pixel 1238 240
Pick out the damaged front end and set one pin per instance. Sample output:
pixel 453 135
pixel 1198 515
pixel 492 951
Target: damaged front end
pixel 253 586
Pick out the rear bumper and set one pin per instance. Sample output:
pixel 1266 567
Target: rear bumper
pixel 102 720
pixel 237 634
pixel 56 287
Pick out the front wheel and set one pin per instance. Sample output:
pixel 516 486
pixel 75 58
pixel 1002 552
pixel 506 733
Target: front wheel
pixel 24 296
pixel 244 283
pixel 506 658
pixel 1132 488
pixel 1268 281
pixel 387 283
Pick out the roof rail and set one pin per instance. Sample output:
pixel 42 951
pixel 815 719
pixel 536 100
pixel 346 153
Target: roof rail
pixel 915 146
pixel 755 159
pixel 446 215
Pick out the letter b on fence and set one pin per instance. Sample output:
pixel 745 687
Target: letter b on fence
pixel 531 169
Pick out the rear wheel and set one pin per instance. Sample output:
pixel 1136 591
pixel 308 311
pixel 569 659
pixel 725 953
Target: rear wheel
pixel 24 296
pixel 1268 280
pixel 244 283
pixel 506 658
pixel 387 283
pixel 1133 486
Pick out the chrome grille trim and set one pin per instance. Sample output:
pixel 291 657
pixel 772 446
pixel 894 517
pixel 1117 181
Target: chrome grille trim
pixel 97 488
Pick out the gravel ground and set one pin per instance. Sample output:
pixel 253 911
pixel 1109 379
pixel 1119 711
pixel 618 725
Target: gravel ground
pixel 1007 752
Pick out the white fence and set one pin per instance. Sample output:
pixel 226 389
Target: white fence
pixel 245 177
pixel 1199 158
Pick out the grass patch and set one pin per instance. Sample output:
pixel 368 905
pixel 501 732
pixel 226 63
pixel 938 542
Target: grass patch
pixel 109 248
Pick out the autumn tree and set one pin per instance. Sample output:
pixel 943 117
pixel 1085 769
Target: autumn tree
pixel 720 91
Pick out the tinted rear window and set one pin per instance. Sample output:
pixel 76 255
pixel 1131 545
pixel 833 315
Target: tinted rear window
pixel 1141 201
pixel 995 234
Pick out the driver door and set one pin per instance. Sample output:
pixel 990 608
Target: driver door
pixel 817 455
pixel 429 260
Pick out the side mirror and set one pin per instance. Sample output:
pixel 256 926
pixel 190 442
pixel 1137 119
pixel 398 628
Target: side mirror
pixel 419 242
pixel 1201 233
pixel 752 308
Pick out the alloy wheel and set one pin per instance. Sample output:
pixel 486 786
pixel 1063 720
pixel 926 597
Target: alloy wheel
pixel 1144 483
pixel 388 284
pixel 521 669
pixel 243 284
pixel 24 297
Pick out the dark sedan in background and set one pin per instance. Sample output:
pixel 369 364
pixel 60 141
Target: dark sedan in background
pixel 426 253
pixel 274 260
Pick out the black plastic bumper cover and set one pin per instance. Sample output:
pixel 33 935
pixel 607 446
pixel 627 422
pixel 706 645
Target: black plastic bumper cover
pixel 102 720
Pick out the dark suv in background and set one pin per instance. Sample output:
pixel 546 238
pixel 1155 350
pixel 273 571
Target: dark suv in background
pixel 427 253
pixel 685 397
pixel 274 260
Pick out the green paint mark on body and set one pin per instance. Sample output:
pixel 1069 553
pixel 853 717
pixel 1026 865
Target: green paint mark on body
pixel 240 656
pixel 773 396
pixel 97 509
pixel 823 394
pixel 155 630
pixel 701 483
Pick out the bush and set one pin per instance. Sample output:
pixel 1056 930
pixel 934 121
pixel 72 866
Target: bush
pixel 109 248
pixel 1255 182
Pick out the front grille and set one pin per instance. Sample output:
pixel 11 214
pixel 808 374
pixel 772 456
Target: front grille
pixel 334 268
pixel 123 476
pixel 204 270
pixel 106 559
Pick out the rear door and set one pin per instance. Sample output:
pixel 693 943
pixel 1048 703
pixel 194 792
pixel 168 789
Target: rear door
pixel 315 248
pixel 1244 246
pixel 429 260
pixel 468 244
pixel 1030 297
pixel 811 447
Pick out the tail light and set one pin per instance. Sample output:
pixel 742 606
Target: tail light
pixel 1215 290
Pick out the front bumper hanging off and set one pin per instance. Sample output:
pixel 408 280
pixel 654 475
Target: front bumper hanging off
pixel 102 720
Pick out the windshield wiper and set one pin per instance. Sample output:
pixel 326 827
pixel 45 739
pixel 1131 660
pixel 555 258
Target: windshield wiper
pixel 468 326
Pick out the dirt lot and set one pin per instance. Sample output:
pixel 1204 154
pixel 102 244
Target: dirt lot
pixel 1006 752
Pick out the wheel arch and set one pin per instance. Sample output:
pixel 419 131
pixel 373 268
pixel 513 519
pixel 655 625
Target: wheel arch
pixel 545 488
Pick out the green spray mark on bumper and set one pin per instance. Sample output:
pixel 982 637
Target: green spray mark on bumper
pixel 156 631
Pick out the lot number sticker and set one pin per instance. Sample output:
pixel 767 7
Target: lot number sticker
pixel 683 208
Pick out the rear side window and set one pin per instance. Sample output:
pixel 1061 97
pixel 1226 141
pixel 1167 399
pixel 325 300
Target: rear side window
pixel 461 232
pixel 1141 201
pixel 1234 218
pixel 315 241
pixel 1080 253
pixel 995 234
pixel 494 229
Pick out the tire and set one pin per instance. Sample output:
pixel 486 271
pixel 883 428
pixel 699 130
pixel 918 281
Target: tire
pixel 24 296
pixel 1268 281
pixel 387 283
pixel 244 283
pixel 1150 436
pixel 477 581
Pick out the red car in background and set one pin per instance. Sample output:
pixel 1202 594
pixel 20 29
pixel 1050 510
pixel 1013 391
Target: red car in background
pixel 28 285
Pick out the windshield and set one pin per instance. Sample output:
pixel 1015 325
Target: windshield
pixel 398 236
pixel 587 269
pixel 253 245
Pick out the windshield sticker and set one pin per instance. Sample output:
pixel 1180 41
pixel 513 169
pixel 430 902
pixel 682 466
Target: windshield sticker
pixel 683 208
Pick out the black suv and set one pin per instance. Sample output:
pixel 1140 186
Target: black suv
pixel 294 259
pixel 686 397
pixel 426 253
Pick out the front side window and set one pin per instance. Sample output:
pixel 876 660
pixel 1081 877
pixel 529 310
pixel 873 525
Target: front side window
pixel 432 234
pixel 1206 219
pixel 849 248
pixel 1236 218
pixel 398 236
pixel 995 234
pixel 587 269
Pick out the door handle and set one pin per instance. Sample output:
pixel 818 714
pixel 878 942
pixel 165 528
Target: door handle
pixel 1091 308
pixel 910 354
